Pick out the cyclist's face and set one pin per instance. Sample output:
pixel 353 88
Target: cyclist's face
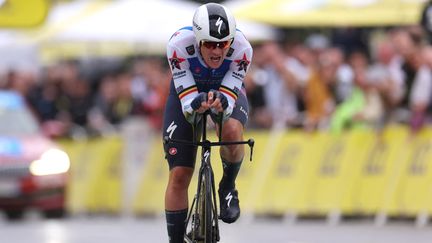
pixel 213 53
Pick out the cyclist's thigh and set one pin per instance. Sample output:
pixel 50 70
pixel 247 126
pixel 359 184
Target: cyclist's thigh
pixel 241 109
pixel 176 127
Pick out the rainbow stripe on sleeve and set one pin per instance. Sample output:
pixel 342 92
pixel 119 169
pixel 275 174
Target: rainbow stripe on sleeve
pixel 228 92
pixel 187 91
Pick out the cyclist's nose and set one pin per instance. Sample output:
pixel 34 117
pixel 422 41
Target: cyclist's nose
pixel 217 51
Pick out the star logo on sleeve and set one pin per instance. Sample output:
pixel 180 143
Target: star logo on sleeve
pixel 243 63
pixel 175 61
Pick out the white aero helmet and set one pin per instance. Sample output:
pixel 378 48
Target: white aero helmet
pixel 213 22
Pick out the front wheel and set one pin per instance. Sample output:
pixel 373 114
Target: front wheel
pixel 204 225
pixel 210 217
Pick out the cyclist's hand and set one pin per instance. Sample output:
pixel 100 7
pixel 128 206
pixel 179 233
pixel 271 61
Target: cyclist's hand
pixel 199 103
pixel 217 101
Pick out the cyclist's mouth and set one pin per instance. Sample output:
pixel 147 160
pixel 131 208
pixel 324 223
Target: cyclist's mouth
pixel 215 59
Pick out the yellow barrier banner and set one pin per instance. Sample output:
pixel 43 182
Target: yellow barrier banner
pixel 293 172
pixel 108 187
pixel 285 186
pixel 380 172
pixel 359 145
pixel 415 190
pixel 399 149
pixel 326 185
pixel 149 199
pixel 95 176
pixel 78 175
pixel 370 172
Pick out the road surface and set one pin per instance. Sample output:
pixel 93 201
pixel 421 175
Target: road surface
pixel 104 229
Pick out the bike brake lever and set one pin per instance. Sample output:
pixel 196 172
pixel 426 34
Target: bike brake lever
pixel 251 144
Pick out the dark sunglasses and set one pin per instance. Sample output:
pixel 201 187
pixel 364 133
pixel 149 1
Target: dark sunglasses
pixel 213 44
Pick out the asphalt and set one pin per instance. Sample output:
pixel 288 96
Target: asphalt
pixel 106 229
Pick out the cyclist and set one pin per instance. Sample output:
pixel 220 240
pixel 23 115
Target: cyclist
pixel 208 61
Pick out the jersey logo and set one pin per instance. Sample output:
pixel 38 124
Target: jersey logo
pixel 179 89
pixel 171 128
pixel 196 25
pixel 172 151
pixel 243 63
pixel 175 61
pixel 244 112
pixel 190 50
pixel 218 24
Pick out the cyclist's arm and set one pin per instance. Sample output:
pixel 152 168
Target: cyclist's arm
pixel 232 82
pixel 182 77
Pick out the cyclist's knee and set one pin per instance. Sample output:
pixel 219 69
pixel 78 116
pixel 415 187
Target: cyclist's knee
pixel 232 130
pixel 180 178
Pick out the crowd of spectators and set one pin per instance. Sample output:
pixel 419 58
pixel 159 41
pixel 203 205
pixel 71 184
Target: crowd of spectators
pixel 72 98
pixel 329 83
pixel 320 82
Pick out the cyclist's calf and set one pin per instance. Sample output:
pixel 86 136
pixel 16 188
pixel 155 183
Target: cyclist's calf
pixel 232 131
pixel 176 194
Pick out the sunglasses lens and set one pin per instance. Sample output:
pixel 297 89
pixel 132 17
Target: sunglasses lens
pixel 224 44
pixel 214 45
pixel 209 44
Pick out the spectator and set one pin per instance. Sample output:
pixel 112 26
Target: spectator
pixel 417 79
pixel 20 81
pixel 125 104
pixel 317 95
pixel 386 73
pixel 281 85
pixel 155 82
pixel 101 115
pixel 363 108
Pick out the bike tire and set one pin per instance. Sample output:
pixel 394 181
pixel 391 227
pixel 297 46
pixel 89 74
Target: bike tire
pixel 209 216
pixel 205 230
pixel 201 217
